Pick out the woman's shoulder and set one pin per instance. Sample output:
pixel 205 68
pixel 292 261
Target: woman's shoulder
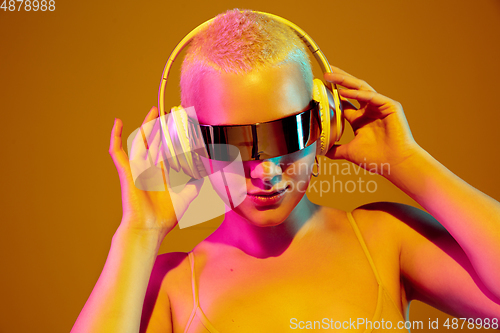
pixel 170 260
pixel 396 223
pixel 396 216
pixel 171 273
pixel 372 214
pixel 170 269
pixel 382 220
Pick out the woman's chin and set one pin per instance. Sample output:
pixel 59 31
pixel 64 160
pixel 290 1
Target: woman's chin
pixel 268 211
pixel 272 222
pixel 261 216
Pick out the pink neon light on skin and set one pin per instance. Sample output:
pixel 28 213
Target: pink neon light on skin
pixel 264 95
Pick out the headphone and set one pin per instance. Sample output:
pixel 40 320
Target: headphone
pixel 175 131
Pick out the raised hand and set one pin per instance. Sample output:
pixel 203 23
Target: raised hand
pixel 382 135
pixel 145 210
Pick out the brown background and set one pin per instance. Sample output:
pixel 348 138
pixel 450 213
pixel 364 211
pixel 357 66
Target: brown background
pixel 65 75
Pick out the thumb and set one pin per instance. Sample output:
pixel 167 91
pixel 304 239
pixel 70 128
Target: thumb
pixel 191 190
pixel 117 153
pixel 337 152
pixel 350 114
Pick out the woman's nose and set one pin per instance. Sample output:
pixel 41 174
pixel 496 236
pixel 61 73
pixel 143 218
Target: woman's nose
pixel 266 170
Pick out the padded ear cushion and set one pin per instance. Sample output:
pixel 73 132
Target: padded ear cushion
pixel 180 139
pixel 337 121
pixel 320 95
pixel 331 114
pixel 178 145
pixel 168 131
pixel 181 143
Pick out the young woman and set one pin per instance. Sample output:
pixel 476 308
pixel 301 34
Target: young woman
pixel 278 262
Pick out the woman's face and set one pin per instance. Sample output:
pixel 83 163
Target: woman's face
pixel 272 187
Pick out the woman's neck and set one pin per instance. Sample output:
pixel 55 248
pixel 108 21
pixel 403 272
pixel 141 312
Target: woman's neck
pixel 263 242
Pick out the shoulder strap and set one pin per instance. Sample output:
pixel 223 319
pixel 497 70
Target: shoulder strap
pixel 193 279
pixel 196 302
pixel 374 269
pixel 363 246
pixel 195 291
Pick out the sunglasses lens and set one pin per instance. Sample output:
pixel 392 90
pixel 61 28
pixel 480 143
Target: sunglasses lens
pixel 263 140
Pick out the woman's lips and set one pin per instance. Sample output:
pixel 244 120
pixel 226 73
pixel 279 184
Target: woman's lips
pixel 267 198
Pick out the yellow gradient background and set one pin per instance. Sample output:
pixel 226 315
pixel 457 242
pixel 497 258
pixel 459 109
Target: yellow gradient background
pixel 65 75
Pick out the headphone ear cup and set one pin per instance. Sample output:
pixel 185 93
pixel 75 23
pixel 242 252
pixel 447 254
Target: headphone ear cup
pixel 331 114
pixel 320 95
pixel 337 120
pixel 177 143
pixel 169 131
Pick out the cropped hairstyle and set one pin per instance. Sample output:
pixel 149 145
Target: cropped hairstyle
pixel 241 41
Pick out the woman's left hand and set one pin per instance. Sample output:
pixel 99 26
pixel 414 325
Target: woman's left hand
pixel 382 134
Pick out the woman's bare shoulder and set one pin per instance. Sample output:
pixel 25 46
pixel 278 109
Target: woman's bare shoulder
pixel 168 270
pixel 172 266
pixel 393 215
pixel 166 262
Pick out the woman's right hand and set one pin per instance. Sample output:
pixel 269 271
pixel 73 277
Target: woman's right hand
pixel 147 211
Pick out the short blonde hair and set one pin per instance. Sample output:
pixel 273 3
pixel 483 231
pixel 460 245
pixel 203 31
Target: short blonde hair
pixel 241 41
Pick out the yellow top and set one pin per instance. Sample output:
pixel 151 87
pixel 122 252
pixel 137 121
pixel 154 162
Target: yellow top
pixel 385 310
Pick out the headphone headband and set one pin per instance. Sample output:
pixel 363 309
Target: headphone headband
pixel 311 44
pixel 330 111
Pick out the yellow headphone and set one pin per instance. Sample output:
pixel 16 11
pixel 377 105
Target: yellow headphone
pixel 175 132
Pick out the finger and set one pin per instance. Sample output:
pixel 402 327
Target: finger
pixel 115 144
pixel 151 131
pixel 140 159
pixel 191 190
pixel 348 81
pixel 147 127
pixel 141 142
pixel 159 154
pixel 161 162
pixel 339 71
pixel 154 139
pixel 116 150
pixel 351 115
pixel 164 171
pixel 152 114
pixel 347 105
pixel 337 152
pixel 366 96
pixel 151 128
pixel 116 135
